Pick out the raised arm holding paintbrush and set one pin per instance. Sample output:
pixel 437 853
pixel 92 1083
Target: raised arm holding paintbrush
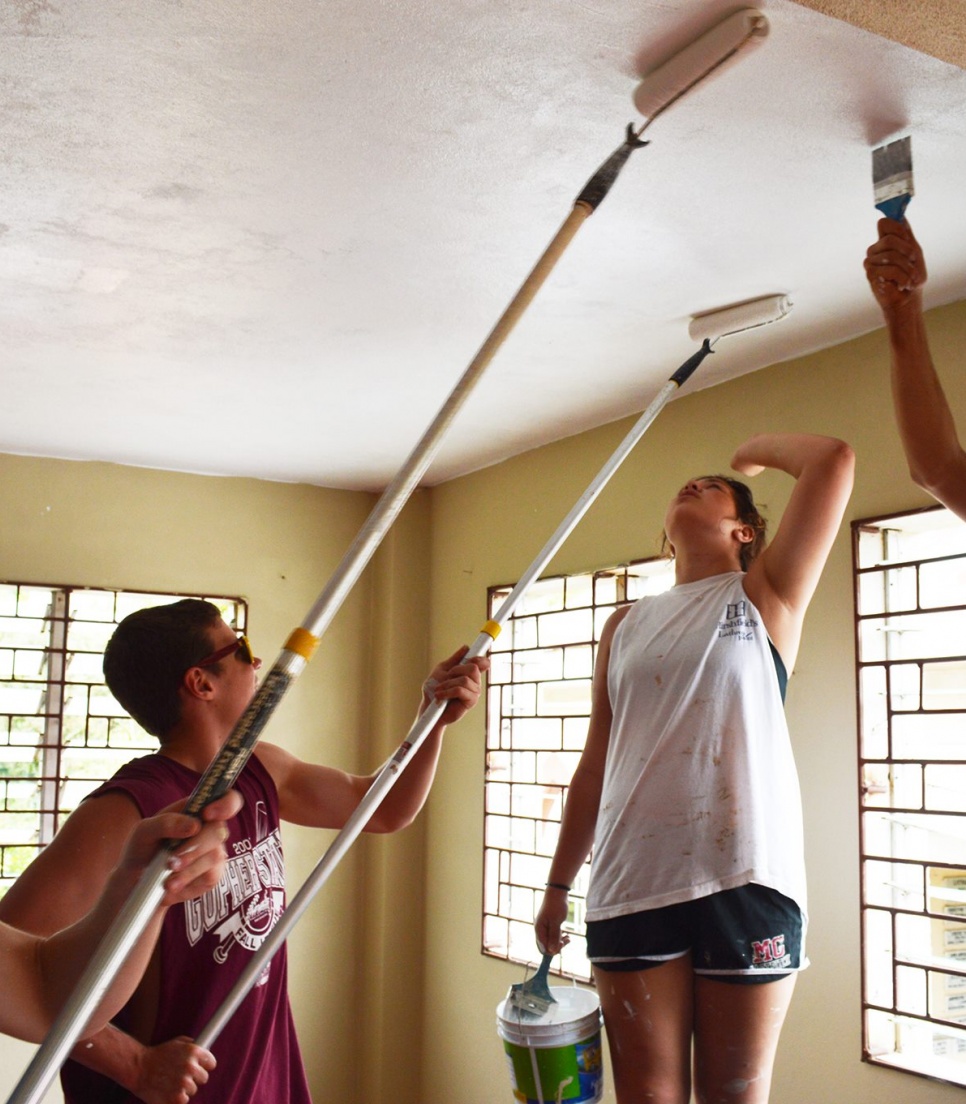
pixel 896 271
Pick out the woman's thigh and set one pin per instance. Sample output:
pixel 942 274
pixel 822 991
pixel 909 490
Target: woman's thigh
pixel 736 1030
pixel 648 1017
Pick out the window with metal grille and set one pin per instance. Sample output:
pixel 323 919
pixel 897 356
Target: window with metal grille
pixel 910 601
pixel 538 703
pixel 62 732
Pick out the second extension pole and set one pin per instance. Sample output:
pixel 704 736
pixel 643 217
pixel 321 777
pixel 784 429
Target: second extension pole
pixel 386 778
pixel 300 646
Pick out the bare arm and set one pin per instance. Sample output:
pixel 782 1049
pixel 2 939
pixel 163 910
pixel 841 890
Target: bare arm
pixel 579 819
pixel 58 887
pixel 896 272
pixel 323 797
pixel 783 578
pixel 165 1073
pixel 66 878
pixel 40 972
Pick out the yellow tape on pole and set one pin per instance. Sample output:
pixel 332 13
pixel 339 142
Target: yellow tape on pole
pixel 303 643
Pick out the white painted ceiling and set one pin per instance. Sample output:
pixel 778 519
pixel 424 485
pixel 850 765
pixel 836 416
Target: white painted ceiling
pixel 266 238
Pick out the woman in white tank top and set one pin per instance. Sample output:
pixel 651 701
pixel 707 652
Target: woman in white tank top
pixel 687 737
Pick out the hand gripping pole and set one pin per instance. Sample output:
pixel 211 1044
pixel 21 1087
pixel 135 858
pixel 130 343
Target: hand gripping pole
pixel 386 778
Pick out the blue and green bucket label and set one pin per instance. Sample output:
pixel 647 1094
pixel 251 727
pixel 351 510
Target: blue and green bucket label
pixel 567 1073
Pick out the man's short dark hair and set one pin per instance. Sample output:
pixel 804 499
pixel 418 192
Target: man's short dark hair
pixel 146 658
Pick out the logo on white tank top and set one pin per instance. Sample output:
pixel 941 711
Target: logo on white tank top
pixel 737 624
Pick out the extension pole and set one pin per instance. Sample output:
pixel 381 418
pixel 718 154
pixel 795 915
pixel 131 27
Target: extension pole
pixel 387 776
pixel 301 644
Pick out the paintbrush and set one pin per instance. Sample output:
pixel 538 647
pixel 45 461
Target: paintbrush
pixel 533 997
pixel 892 177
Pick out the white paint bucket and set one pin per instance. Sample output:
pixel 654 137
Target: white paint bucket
pixel 556 1058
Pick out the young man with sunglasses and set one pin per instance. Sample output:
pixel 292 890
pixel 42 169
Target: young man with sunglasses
pixel 186 676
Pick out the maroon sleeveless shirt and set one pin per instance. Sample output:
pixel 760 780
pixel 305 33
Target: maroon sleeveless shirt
pixel 206 943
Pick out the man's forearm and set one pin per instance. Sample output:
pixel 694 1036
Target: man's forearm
pixel 113 1053
pixel 923 416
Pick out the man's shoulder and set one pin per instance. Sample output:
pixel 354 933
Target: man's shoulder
pixel 145 766
pixel 151 782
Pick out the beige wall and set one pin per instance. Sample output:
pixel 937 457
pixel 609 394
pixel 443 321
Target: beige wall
pixel 394 1002
pixel 486 529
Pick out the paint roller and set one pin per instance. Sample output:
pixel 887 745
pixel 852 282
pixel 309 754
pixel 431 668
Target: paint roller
pixel 659 89
pixel 748 315
pixel 716 50
pixel 731 320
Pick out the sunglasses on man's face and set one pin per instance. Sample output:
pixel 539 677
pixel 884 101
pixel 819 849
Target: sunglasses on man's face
pixel 239 645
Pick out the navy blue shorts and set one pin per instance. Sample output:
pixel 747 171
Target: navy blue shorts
pixel 745 935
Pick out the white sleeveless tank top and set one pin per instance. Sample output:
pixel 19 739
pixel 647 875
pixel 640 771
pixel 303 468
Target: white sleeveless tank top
pixel 700 791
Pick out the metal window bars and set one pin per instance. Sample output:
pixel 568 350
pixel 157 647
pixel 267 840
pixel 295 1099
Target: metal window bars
pixel 910 635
